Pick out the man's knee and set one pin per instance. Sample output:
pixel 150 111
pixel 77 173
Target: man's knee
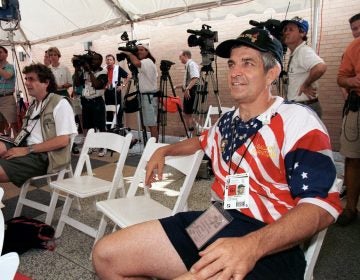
pixel 101 255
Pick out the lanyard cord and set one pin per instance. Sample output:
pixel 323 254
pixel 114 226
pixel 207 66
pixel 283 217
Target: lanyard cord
pixel 243 155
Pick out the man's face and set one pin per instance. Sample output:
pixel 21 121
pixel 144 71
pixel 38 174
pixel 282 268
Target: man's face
pixel 182 58
pixel 46 59
pixel 54 58
pixel 355 28
pixel 109 61
pixel 34 86
pixel 96 62
pixel 292 34
pixel 246 78
pixel 3 55
pixel 142 52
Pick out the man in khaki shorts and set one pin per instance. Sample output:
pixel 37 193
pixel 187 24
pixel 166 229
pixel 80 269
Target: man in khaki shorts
pixel 7 88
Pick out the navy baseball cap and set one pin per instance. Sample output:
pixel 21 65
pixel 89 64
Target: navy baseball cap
pixel 300 22
pixel 256 38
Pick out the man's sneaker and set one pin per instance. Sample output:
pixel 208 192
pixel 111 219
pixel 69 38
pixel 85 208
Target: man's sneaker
pixel 75 149
pixel 102 152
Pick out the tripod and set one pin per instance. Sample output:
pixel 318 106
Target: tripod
pixel 200 102
pixel 162 113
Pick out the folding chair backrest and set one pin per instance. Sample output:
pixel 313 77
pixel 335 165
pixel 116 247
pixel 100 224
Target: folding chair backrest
pixel 114 109
pixel 105 140
pixel 212 111
pixel 187 165
pixel 9 264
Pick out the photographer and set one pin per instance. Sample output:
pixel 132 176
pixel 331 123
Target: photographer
pixel 145 63
pixel 94 79
pixel 190 81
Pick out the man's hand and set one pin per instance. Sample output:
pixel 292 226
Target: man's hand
pixel 186 92
pixel 155 167
pixel 16 152
pixel 310 92
pixel 227 258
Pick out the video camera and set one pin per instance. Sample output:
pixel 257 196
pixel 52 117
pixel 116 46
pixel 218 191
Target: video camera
pixel 165 65
pixel 130 47
pixel 273 26
pixel 82 59
pixel 205 39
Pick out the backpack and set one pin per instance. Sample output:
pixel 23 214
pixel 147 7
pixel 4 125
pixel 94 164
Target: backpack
pixel 23 233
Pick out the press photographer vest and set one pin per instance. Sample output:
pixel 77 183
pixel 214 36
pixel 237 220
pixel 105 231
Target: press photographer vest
pixel 59 158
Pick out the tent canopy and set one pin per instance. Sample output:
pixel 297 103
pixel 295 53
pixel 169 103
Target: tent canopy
pixel 43 21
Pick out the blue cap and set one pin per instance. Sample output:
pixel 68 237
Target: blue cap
pixel 300 22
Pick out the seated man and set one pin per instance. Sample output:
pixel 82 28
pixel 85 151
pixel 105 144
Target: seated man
pixel 43 144
pixel 261 145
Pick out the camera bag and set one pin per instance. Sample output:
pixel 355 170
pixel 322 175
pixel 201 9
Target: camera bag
pixel 23 233
pixel 131 102
pixel 171 103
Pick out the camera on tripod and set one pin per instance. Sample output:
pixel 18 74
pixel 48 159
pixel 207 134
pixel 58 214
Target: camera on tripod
pixel 272 25
pixel 82 59
pixel 130 47
pixel 165 65
pixel 205 39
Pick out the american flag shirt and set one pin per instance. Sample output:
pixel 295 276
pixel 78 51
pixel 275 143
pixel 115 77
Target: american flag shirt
pixel 286 151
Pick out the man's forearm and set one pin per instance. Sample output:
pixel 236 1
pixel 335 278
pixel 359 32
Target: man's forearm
pixel 297 225
pixel 55 143
pixel 315 73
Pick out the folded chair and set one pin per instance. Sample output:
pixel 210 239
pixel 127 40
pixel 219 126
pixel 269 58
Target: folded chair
pixel 114 109
pixel 136 208
pixel 214 111
pixel 313 246
pixel 86 185
pixel 49 209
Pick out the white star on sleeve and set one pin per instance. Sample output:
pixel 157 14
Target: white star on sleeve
pixel 304 175
pixel 305 187
pixel 296 165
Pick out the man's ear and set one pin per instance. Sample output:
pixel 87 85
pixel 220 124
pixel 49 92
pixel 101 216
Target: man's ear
pixel 273 74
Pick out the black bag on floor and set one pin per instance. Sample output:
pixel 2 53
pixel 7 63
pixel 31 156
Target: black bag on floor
pixel 131 102
pixel 24 233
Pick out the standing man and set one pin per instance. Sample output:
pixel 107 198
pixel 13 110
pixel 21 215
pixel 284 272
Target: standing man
pixel 145 63
pixel 262 145
pixel 115 84
pixel 44 140
pixel 349 78
pixel 94 79
pixel 305 67
pixel 7 88
pixel 61 72
pixel 189 86
pixel 46 59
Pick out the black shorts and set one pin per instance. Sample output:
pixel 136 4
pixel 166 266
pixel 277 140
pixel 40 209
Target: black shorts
pixel 289 264
pixel 188 104
pixel 20 169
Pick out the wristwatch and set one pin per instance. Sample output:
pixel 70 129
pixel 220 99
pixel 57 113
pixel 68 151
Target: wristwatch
pixel 31 149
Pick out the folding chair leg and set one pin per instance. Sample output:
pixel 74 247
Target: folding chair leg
pixel 64 213
pixel 22 195
pixel 52 206
pixel 101 230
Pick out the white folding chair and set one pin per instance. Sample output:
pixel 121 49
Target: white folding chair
pixel 214 111
pixel 133 208
pixel 114 109
pixel 313 246
pixel 83 186
pixel 9 264
pixel 50 208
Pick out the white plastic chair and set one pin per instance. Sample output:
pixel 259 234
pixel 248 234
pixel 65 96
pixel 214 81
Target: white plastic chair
pixel 9 264
pixel 48 209
pixel 313 246
pixel 114 109
pixel 212 111
pixel 134 209
pixel 83 186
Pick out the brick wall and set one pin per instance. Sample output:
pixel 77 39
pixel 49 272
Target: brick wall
pixel 167 41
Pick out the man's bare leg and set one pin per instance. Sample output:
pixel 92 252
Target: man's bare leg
pixel 138 252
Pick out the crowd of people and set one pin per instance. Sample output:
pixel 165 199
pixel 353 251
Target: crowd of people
pixel 271 142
